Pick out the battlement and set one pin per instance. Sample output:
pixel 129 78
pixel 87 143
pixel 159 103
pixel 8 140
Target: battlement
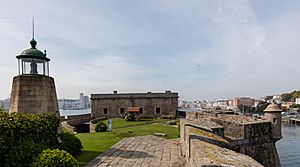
pixel 116 95
pixel 246 135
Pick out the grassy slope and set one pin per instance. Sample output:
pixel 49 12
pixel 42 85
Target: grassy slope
pixel 96 143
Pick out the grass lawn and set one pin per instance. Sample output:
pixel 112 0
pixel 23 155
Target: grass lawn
pixel 96 143
pixel 121 123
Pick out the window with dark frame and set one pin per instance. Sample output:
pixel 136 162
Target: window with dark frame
pixel 141 110
pixel 274 120
pixel 157 110
pixel 105 112
pixel 122 110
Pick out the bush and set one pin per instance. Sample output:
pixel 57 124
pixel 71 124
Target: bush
pixel 16 128
pixel 70 143
pixel 55 157
pixel 130 117
pixel 23 153
pixel 101 127
pixel 123 115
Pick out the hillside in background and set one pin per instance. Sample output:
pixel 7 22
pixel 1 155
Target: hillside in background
pixel 287 97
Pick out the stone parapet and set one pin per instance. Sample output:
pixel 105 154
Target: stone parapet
pixel 240 134
pixel 133 95
pixel 207 154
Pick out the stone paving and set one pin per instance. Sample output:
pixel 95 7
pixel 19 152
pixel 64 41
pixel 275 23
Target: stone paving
pixel 143 151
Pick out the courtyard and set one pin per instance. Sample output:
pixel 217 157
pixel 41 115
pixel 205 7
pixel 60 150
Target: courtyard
pixel 97 143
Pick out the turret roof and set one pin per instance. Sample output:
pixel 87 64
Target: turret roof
pixel 273 108
pixel 33 52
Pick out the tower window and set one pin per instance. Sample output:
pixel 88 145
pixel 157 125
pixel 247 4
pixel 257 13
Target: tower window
pixel 157 110
pixel 105 112
pixel 274 121
pixel 122 110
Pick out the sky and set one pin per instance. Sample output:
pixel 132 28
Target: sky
pixel 202 49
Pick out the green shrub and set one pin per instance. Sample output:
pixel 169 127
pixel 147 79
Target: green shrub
pixel 23 153
pixel 130 117
pixel 123 115
pixel 16 128
pixel 101 127
pixel 56 157
pixel 70 143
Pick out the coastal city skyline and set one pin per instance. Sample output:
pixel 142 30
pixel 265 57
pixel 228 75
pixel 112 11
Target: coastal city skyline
pixel 200 49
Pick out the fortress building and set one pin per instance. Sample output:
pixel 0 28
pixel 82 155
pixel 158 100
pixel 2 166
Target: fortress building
pixel 151 105
pixel 33 90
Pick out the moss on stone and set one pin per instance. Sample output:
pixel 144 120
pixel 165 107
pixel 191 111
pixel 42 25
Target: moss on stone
pixel 207 135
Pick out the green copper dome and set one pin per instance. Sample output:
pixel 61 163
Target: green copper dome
pixel 33 52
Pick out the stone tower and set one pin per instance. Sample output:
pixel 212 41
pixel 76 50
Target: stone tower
pixel 33 90
pixel 273 114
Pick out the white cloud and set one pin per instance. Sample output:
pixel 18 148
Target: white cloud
pixel 202 49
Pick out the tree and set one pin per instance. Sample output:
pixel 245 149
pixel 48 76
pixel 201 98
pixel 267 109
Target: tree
pixel 295 95
pixel 246 109
pixel 268 98
pixel 287 96
pixel 295 106
pixel 261 106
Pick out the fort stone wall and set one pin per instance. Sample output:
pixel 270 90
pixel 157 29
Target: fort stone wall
pixel 241 134
pixel 152 105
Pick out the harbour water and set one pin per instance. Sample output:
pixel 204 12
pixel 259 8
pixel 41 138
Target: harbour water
pixel 74 112
pixel 289 146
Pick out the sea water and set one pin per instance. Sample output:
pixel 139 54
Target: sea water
pixel 289 146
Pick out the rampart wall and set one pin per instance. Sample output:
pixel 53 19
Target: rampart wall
pixel 241 134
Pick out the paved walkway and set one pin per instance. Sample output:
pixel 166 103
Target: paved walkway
pixel 143 151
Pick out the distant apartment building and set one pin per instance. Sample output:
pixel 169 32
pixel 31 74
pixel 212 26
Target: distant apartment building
pixel 241 101
pixel 223 103
pixel 297 100
pixel 277 97
pixel 286 104
pixel 75 104
pixel 149 104
pixel 81 98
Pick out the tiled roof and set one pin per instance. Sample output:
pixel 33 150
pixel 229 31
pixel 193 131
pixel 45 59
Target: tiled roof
pixel 133 109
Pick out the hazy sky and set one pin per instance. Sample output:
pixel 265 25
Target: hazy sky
pixel 202 49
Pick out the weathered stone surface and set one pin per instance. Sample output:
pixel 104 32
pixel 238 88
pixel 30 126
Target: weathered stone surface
pixel 167 102
pixel 142 151
pixel 33 94
pixel 206 154
pixel 154 151
pixel 246 135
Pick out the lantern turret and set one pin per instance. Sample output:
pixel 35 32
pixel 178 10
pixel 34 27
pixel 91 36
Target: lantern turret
pixel 33 61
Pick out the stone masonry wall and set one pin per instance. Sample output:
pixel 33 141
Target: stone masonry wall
pixel 168 105
pixel 33 94
pixel 78 119
pixel 259 145
pixel 203 147
pixel 254 139
pixel 264 153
